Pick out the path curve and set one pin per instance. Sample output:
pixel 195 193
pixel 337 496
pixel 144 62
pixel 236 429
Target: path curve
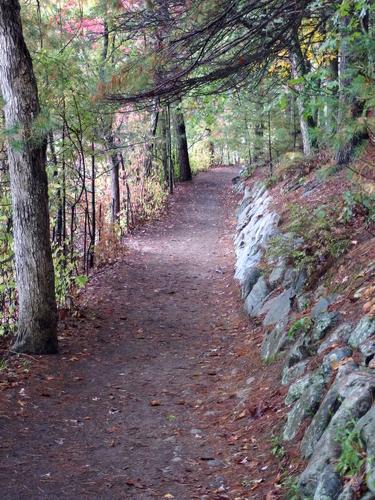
pixel 144 401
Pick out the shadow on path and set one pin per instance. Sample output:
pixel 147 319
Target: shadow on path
pixel 142 400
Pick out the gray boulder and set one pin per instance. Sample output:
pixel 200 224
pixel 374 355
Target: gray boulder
pixel 251 276
pixel 306 405
pixel 364 329
pixel 293 372
pixel 256 223
pixel 255 299
pixel 367 427
pixel 277 274
pixel 334 357
pixel 330 404
pixel 275 341
pixel 353 398
pixel 278 308
pixel 323 322
pixel 329 485
pixel 367 349
pixel 302 349
pixel 322 305
pixel 295 278
pixel 297 389
pixel 340 335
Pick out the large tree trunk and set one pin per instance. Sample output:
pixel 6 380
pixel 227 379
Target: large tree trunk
pixel 27 161
pixel 182 146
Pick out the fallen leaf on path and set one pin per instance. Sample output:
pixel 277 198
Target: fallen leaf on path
pixel 256 482
pixel 136 484
pixel 241 415
pixel 155 402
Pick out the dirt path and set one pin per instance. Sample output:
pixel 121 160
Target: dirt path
pixel 157 392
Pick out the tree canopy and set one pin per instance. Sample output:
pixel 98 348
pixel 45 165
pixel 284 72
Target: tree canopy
pixel 135 95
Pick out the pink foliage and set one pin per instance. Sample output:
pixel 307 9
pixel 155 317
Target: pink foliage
pixel 86 26
pixel 131 4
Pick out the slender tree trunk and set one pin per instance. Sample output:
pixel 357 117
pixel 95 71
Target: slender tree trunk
pixel 169 151
pixel 182 146
pixel 270 158
pixel 37 321
pixel 115 186
pixel 248 139
pixel 304 126
pixel 110 138
pixel 299 69
pixel 259 131
pixel 149 153
pixel 58 230
pixel 164 146
pixel 91 257
pixel 211 147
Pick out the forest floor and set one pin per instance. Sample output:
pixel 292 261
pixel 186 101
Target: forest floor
pixel 158 390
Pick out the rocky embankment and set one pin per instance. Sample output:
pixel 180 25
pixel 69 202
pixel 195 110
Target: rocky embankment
pixel 328 361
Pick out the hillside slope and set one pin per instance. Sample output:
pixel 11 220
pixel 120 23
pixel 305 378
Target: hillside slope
pixel 305 249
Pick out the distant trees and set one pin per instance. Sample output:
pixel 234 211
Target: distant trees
pixel 226 47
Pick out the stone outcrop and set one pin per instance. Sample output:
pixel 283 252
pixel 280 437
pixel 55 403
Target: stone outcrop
pixel 336 396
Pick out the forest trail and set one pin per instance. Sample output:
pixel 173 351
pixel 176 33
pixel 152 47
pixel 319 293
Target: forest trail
pixel 150 395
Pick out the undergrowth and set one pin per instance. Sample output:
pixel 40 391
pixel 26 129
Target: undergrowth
pixel 300 327
pixel 312 239
pixel 352 456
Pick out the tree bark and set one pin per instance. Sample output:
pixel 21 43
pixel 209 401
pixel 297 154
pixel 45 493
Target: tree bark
pixel 349 107
pixel 169 150
pixel 163 146
pixel 182 146
pixel 299 69
pixel 259 129
pixel 91 252
pixel 110 138
pixel 58 229
pixel 115 179
pixel 151 142
pixel 304 126
pixel 37 321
